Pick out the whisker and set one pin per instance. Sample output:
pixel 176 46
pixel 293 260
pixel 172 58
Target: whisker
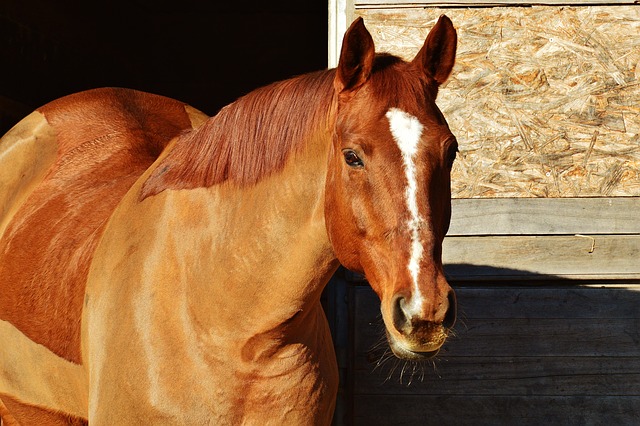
pixel 388 355
pixel 413 372
pixel 393 369
pixel 406 372
pixel 422 373
pixel 435 369
pixel 402 371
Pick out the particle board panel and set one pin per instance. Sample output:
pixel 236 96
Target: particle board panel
pixel 544 100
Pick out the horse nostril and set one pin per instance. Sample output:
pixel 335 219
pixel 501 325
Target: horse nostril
pixel 401 321
pixel 450 315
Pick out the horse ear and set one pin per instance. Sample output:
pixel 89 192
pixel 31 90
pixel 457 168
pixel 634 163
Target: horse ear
pixel 438 54
pixel 356 58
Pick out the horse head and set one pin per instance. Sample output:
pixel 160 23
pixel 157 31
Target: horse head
pixel 388 193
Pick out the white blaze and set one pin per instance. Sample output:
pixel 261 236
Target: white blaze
pixel 407 131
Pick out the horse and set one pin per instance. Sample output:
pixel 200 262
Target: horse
pixel 161 266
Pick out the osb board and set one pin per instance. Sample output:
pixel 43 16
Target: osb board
pixel 545 101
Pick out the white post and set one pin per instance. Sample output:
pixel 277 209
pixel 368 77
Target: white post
pixel 340 17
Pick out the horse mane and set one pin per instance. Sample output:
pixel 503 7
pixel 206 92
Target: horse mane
pixel 250 138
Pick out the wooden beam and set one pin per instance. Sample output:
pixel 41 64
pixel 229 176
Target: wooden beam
pixel 340 17
pixel 545 216
pixel 542 257
pixel 505 375
pixel 506 410
pixel 383 4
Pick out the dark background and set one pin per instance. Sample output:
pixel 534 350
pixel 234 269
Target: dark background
pixel 203 52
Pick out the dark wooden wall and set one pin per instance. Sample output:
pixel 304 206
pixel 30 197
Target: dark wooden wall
pixel 204 52
pixel 522 355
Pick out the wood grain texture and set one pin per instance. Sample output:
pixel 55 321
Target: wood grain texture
pixel 552 355
pixel 542 257
pixel 537 238
pixel 504 376
pixel 544 101
pixel 463 410
pixel 545 216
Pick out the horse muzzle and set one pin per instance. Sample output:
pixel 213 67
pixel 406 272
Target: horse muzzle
pixel 416 337
pixel 424 344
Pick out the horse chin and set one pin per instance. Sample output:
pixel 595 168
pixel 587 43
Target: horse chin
pixel 401 350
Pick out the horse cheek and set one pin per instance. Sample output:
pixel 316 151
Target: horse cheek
pixel 341 227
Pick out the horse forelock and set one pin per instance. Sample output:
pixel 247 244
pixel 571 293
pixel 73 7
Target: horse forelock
pixel 397 84
pixel 393 83
pixel 249 139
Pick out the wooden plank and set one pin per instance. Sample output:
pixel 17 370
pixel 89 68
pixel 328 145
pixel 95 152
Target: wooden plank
pixel 587 325
pixel 462 410
pixel 545 216
pixel 337 312
pixel 599 302
pixel 522 338
pixel 503 376
pixel 544 100
pixel 519 338
pixel 542 257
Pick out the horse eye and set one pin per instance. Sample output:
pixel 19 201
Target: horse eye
pixel 352 159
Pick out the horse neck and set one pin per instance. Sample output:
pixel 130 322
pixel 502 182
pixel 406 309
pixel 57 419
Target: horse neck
pixel 226 278
pixel 261 244
pixel 275 256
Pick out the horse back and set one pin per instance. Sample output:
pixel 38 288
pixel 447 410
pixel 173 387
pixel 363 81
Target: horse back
pixel 63 170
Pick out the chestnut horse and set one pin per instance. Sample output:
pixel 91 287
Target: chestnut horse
pixel 159 266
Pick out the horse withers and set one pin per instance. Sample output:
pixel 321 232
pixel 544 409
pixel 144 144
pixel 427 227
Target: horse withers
pixel 159 266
